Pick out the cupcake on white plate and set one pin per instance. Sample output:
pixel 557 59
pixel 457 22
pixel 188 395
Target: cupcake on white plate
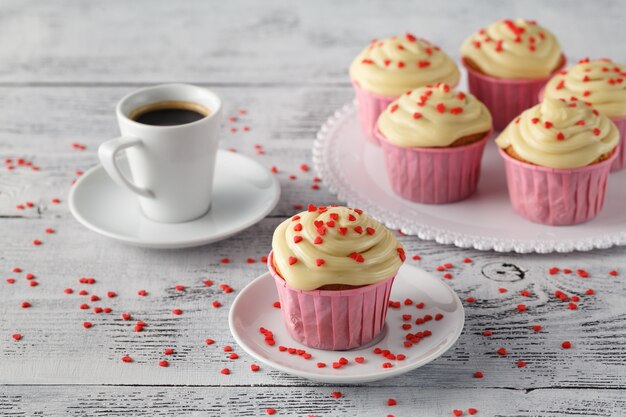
pixel 388 68
pixel 433 140
pixel 601 83
pixel 334 268
pixel 558 156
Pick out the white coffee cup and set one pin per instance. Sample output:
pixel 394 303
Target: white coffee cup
pixel 171 167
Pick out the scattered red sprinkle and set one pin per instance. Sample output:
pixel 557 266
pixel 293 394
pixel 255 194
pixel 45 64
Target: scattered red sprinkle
pixel 127 359
pixel 457 413
pixel 49 230
pixel 142 293
pixel 225 371
pixel 216 304
pixel 209 341
pixel 472 411
pixel 270 411
pixel 68 291
pixel 25 304
pixel 33 283
pixel 177 312
pixel 613 273
pixel 521 308
pixel 225 260
pixel 391 402
pixel 502 290
pixel 478 374
pixel 17 336
pixel 590 292
pixel 87 324
pixel 254 367
pixel 521 364
pixel 359 359
pixel 572 306
pixel 336 394
pixel 566 345
pixel 582 273
pixel 537 328
pixel 208 282
pixel 37 242
pixel 304 168
pixel 321 365
pixel 502 351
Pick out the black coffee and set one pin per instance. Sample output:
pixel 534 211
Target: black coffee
pixel 169 113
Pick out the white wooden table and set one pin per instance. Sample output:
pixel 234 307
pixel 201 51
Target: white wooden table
pixel 64 64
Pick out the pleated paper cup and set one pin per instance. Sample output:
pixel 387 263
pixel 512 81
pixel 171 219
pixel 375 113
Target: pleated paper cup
pixel 557 197
pixel 620 159
pixel 505 99
pixel 333 320
pixel 433 175
pixel 370 107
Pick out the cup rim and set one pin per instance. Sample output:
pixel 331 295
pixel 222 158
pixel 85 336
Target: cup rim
pixel 326 293
pixel 592 167
pixel 443 149
pixel 123 116
pixel 497 80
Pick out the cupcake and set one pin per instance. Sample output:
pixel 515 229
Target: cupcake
pixel 508 63
pixel 433 140
pixel 601 83
pixel 390 67
pixel 333 268
pixel 558 156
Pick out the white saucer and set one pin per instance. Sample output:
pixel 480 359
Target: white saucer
pixel 253 308
pixel 244 193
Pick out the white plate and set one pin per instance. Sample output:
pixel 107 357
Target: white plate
pixel 253 308
pixel 244 192
pixel 354 169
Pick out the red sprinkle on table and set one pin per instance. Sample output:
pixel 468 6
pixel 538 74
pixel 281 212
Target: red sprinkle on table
pixel 127 359
pixel 391 402
pixel 216 304
pixel 521 364
pixel 478 374
pixel 270 411
pixel 472 411
pixel 225 371
pixel 457 413
pixel 336 394
pixel 566 345
pixel 537 328
pixel 502 352
pixel 254 367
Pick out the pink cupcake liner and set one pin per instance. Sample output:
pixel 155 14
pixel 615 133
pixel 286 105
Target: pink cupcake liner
pixel 620 159
pixel 333 320
pixel 620 122
pixel 370 107
pixel 505 99
pixel 556 197
pixel 433 175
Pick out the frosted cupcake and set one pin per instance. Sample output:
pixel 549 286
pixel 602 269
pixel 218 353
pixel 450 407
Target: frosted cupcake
pixel 558 156
pixel 433 139
pixel 390 67
pixel 334 268
pixel 508 63
pixel 601 83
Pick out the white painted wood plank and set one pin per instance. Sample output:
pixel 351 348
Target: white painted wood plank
pixel 275 42
pixel 299 401
pixel 57 349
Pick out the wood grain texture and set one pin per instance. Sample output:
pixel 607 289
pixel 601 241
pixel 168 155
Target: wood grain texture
pixel 316 401
pixel 60 76
pixel 274 42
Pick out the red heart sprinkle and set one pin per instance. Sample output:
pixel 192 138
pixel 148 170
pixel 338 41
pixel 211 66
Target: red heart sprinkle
pixel 472 411
pixel 87 325
pixel 359 359
pixel 566 345
pixel 457 413
pixel 321 365
pixel 254 367
pixel 270 411
pixel 225 371
pixel 478 374
pixel 297 239
pixel 336 394
pixel 127 359
pixel 502 351
pixel 537 328
pixel 320 262
pixel 209 341
pixel 168 351
pixel 391 402
pixel 292 260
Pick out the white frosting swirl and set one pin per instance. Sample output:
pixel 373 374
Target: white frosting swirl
pixel 601 82
pixel 433 116
pixel 334 245
pixel 560 134
pixel 394 65
pixel 508 49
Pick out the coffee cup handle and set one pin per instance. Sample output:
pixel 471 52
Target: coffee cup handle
pixel 107 153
